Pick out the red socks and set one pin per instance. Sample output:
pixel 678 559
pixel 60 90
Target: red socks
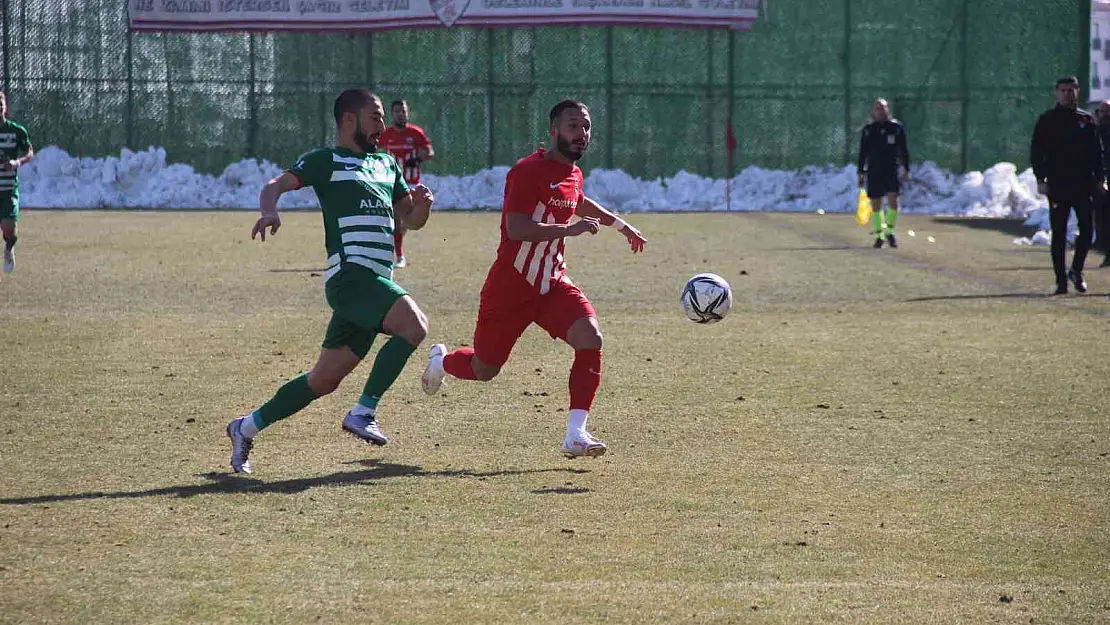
pixel 585 373
pixel 585 378
pixel 399 241
pixel 457 364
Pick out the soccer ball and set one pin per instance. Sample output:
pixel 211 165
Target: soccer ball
pixel 706 298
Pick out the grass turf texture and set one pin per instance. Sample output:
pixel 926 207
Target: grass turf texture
pixel 912 435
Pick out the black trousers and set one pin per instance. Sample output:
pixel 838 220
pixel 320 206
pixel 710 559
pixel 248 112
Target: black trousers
pixel 1102 223
pixel 1059 209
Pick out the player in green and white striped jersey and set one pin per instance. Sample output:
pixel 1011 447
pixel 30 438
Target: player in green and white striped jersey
pixel 363 196
pixel 15 151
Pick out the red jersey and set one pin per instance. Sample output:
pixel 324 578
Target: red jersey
pixel 548 192
pixel 403 143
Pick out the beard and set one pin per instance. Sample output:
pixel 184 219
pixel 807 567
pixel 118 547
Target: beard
pixel 569 150
pixel 366 141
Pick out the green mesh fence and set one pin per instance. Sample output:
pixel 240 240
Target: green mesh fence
pixel 967 77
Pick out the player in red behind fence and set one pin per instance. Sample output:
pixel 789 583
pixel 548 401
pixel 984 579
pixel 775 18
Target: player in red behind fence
pixel 409 144
pixel 527 282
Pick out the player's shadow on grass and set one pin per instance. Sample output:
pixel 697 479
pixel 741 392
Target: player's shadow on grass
pixel 818 248
pixel 1038 295
pixel 1011 227
pixel 230 483
pixel 560 491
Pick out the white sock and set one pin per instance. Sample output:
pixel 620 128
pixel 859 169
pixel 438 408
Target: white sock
pixel 362 411
pixel 247 426
pixel 576 423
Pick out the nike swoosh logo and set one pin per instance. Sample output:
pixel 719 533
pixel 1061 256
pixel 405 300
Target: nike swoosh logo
pixel 350 167
pixel 595 372
pixel 555 184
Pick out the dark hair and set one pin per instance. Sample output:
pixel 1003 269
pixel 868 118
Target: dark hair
pixel 397 103
pixel 558 109
pixel 352 101
pixel 1068 80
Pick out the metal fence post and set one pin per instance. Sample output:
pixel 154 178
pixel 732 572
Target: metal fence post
pixel 965 90
pixel 489 98
pixel 370 62
pixel 731 162
pixel 7 47
pixel 610 109
pixel 709 98
pixel 847 66
pixel 129 109
pixel 1084 65
pixel 322 115
pixel 252 103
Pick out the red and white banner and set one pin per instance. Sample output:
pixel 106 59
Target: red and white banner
pixel 365 15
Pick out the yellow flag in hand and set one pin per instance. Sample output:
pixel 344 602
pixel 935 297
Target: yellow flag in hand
pixel 863 209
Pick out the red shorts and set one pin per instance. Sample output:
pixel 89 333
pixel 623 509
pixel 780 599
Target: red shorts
pixel 506 311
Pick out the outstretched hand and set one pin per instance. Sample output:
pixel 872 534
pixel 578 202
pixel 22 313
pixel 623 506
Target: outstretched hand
pixel 273 222
pixel 636 240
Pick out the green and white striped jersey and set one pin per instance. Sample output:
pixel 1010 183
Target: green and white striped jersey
pixel 356 192
pixel 14 143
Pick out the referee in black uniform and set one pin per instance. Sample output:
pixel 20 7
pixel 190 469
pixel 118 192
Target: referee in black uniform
pixel 882 152
pixel 1066 154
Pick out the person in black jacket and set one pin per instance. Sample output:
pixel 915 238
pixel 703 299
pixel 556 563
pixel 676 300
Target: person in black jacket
pixel 1102 205
pixel 1066 154
pixel 882 152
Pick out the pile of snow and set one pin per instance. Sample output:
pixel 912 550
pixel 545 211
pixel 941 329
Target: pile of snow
pixel 144 179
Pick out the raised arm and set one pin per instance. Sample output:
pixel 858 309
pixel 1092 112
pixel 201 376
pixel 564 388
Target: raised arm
pixel 267 203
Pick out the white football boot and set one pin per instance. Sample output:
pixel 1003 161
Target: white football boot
pixel 583 445
pixel 434 373
pixel 240 447
pixel 365 427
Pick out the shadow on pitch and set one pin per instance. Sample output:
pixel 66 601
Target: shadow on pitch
pixel 560 491
pixel 818 248
pixel 1040 295
pixel 230 483
pixel 1011 227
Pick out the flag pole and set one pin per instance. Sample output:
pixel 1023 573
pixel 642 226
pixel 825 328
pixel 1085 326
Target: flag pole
pixel 730 147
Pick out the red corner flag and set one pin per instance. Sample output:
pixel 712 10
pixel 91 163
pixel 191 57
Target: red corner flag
pixel 730 138
pixel 730 147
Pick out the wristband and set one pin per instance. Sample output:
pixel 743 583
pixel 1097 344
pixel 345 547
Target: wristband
pixel 618 223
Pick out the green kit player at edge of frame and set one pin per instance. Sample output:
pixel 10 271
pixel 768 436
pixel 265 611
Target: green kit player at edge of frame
pixel 363 195
pixel 15 151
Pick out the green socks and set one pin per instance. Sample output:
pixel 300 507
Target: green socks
pixel 295 394
pixel 877 223
pixel 387 366
pixel 891 216
pixel 883 222
pixel 290 399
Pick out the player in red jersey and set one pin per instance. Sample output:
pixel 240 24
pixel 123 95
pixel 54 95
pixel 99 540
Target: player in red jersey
pixel 410 146
pixel 528 282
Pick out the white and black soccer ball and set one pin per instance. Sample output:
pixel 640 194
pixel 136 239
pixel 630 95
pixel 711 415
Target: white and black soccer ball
pixel 706 298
